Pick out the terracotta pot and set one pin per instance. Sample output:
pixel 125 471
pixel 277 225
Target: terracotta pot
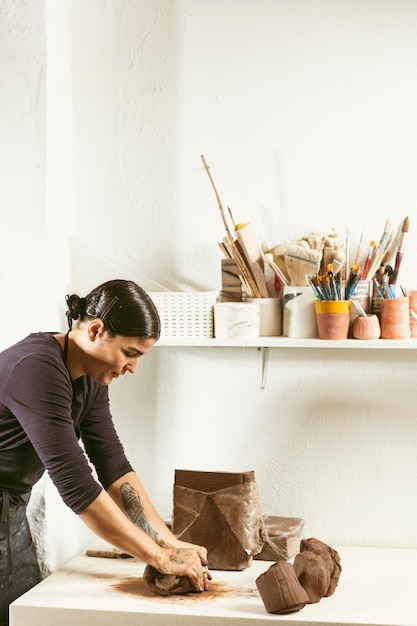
pixel 395 318
pixel 412 296
pixel 333 318
pixel 366 327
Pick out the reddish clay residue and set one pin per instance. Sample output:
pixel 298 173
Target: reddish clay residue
pixel 137 587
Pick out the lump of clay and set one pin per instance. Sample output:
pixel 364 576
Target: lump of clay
pixel 329 555
pixel 313 574
pixel 280 590
pixel 167 584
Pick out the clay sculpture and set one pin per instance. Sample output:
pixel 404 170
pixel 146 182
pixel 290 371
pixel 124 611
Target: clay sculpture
pixel 221 511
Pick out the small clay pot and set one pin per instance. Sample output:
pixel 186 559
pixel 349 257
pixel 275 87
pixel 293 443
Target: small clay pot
pixel 366 327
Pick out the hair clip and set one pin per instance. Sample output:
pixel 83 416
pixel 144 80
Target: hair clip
pixel 109 308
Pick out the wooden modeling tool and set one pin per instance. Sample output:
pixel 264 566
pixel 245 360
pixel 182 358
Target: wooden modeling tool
pixel 251 251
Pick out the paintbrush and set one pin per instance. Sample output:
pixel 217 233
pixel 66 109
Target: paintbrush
pixel 352 282
pixel 269 258
pixel 347 253
pixel 381 249
pixel 278 254
pixel 333 291
pixel 368 259
pixel 311 281
pixel 358 250
pixel 400 251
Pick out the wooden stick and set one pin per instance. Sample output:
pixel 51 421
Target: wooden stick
pixel 248 282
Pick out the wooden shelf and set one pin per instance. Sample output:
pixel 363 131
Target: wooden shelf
pixel 263 344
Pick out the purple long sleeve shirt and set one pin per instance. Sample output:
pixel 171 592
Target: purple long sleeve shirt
pixel 43 417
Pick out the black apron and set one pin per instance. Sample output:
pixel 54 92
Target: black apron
pixel 20 469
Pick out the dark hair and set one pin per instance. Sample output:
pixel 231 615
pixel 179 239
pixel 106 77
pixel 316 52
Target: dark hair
pixel 123 306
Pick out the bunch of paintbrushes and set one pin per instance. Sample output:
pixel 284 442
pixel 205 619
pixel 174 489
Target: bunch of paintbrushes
pixel 330 286
pixel 379 254
pixel 382 274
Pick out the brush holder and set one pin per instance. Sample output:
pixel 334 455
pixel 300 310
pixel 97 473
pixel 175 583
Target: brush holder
pixel 366 327
pixel 236 320
pixel 412 297
pixel 333 318
pixel 298 313
pixel 395 318
pixel 270 310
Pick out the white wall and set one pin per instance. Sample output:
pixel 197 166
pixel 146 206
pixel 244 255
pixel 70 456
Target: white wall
pixel 22 166
pixel 306 113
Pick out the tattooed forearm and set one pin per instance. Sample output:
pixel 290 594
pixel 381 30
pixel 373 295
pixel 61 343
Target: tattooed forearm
pixel 134 509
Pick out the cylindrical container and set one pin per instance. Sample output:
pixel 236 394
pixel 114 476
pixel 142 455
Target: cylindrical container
pixel 395 318
pixel 333 318
pixel 298 313
pixel 236 320
pixel 270 316
pixel 366 327
pixel 412 296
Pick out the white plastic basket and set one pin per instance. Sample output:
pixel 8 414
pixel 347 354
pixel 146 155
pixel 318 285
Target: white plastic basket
pixel 185 313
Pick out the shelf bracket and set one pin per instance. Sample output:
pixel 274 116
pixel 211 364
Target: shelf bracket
pixel 264 364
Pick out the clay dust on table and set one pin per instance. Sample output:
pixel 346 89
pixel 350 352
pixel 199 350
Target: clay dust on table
pixel 137 587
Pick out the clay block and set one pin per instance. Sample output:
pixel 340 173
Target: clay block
pixel 280 589
pixel 221 511
pixel 167 585
pixel 330 557
pixel 282 538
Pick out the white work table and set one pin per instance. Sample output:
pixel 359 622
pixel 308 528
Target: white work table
pixel 376 587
